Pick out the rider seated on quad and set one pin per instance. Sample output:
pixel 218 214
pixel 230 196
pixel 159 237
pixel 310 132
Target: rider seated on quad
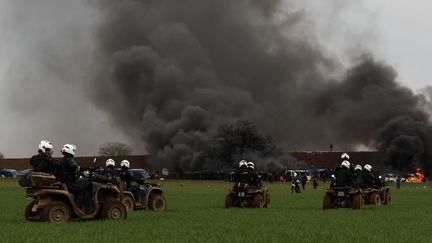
pixel 254 178
pixel 67 173
pixel 343 177
pixel 358 174
pixel 43 161
pixel 109 174
pixel 132 183
pixel 344 157
pixel 370 179
pixel 241 175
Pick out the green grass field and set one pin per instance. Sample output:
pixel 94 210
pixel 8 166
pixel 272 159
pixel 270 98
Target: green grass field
pixel 195 213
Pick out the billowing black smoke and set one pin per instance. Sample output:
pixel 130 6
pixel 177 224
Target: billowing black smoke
pixel 176 70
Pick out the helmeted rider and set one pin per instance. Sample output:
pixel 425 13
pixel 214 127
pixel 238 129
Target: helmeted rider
pixel 358 173
pixel 43 161
pixel 68 168
pixel 109 174
pixel 344 157
pixel 126 174
pixel 254 179
pixel 67 173
pixel 241 175
pixel 343 177
pixel 369 177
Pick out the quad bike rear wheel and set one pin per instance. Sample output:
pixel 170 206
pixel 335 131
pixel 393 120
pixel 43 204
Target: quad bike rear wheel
pixel 229 200
pixel 258 201
pixel 388 199
pixel 375 199
pixel 113 210
pixel 157 202
pixel 56 213
pixel 128 203
pixel 357 201
pixel 327 201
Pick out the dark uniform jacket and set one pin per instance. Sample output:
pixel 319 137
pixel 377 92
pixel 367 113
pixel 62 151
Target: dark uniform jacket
pixel 127 176
pixel 67 170
pixel 254 178
pixel 344 177
pixel 360 179
pixel 42 163
pixel 108 175
pixel 241 175
pixel 370 179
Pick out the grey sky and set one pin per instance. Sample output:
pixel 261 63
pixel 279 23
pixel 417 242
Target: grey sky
pixel 395 31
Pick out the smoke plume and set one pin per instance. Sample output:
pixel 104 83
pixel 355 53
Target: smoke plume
pixel 176 70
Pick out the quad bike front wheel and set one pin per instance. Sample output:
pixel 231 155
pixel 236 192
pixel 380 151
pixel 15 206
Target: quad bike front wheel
pixel 388 199
pixel 258 201
pixel 56 213
pixel 327 201
pixel 157 202
pixel 229 200
pixel 357 201
pixel 113 210
pixel 128 203
pixel 375 199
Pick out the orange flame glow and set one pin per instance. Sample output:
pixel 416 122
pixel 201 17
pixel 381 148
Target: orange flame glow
pixel 419 177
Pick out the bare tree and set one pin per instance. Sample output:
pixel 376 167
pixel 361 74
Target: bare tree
pixel 115 149
pixel 239 138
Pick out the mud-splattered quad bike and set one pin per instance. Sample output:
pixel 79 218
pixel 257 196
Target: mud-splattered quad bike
pixel 52 202
pixel 343 197
pixel 243 195
pixel 378 195
pixel 151 197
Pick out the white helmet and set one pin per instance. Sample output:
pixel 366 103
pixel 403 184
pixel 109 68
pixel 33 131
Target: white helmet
pixel 46 147
pixel 69 149
pixel 110 162
pixel 242 163
pixel 295 174
pixel 251 165
pixel 124 163
pixel 358 167
pixel 345 156
pixel 368 167
pixel 345 164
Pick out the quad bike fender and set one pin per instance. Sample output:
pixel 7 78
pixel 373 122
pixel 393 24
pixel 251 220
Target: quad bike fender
pixel 108 187
pixel 149 191
pixel 46 196
pixel 129 194
pixel 330 191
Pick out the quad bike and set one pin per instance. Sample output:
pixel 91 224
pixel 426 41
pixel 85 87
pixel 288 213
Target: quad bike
pixel 148 195
pixel 244 195
pixel 52 202
pixel 343 197
pixel 378 195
